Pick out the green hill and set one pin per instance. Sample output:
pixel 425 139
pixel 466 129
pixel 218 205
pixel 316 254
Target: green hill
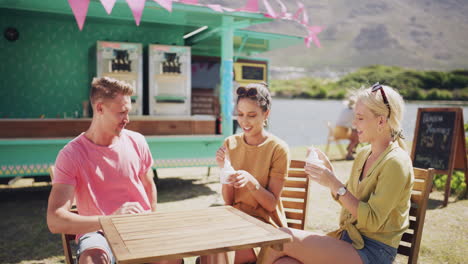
pixel 412 84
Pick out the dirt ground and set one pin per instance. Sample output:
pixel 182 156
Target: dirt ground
pixel 26 239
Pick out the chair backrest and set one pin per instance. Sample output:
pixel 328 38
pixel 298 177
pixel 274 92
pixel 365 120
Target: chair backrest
pixel 330 130
pixel 411 240
pixel 294 195
pixel 66 238
pixel 331 138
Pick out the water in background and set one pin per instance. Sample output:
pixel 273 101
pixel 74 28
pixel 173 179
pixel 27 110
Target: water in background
pixel 304 121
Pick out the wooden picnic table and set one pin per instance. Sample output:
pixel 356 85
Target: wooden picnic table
pixel 144 238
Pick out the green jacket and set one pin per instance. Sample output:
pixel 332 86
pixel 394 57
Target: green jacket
pixel 384 195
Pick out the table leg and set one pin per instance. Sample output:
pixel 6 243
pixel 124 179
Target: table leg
pixel 261 255
pixel 264 251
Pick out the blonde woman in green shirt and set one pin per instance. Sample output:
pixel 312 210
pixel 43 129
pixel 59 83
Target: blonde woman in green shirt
pixel 376 199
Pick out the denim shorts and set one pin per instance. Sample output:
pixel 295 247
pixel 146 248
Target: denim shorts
pixel 374 252
pixel 94 240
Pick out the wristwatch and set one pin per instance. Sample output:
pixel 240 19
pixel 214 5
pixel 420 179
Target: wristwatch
pixel 341 191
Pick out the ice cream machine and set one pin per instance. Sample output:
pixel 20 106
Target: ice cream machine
pixel 123 61
pixel 169 80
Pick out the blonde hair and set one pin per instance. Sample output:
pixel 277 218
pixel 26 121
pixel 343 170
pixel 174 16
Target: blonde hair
pixel 108 88
pixel 375 103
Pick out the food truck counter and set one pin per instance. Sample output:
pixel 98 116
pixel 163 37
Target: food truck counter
pixel 71 127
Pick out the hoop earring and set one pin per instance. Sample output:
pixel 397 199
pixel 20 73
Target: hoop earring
pixel 265 123
pixel 379 130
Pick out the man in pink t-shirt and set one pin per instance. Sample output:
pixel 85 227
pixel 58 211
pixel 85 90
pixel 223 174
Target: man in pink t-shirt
pixel 106 170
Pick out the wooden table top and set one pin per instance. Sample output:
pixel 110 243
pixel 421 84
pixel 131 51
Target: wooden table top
pixel 171 235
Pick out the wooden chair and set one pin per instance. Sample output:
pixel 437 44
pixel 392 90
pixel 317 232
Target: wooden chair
pixel 294 195
pixel 411 240
pixel 332 138
pixel 66 238
pixel 294 199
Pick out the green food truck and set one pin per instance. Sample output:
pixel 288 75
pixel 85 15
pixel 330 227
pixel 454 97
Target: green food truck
pixel 182 64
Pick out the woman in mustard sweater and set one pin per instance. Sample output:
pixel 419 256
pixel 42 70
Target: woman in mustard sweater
pixel 260 163
pixel 376 199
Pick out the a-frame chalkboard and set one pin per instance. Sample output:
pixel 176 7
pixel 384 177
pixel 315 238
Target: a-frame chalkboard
pixel 439 142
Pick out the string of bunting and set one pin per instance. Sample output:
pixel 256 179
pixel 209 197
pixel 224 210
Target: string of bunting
pixel 80 10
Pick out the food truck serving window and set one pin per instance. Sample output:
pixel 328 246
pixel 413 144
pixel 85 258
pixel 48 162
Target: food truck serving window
pixel 246 72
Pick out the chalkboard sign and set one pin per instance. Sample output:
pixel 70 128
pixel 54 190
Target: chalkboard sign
pixel 434 140
pixel 439 143
pixel 252 73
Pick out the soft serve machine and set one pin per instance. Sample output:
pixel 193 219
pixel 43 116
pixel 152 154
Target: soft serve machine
pixel 169 80
pixel 123 61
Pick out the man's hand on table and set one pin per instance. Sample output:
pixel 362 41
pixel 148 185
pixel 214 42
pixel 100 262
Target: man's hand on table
pixel 129 208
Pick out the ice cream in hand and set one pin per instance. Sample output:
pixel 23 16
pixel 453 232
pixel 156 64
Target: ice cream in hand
pixel 226 171
pixel 313 157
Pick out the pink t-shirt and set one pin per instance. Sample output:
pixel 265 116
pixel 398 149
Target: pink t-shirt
pixel 105 177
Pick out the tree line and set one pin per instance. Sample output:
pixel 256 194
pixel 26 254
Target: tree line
pixel 412 84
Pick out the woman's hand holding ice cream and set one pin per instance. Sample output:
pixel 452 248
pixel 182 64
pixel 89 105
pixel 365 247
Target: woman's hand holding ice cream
pixel 315 155
pixel 319 169
pixel 242 179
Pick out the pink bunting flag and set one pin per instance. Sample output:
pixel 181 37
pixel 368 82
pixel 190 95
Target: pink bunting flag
pixel 166 4
pixel 270 12
pixel 312 36
pixel 80 9
pixel 250 6
pixel 108 5
pixel 305 18
pixel 216 8
pixel 137 9
pixel 284 11
pixel 299 11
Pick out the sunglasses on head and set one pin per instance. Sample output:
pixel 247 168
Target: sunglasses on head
pixel 246 92
pixel 377 86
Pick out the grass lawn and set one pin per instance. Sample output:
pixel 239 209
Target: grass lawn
pixel 26 239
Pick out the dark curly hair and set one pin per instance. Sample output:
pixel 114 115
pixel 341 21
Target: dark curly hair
pixel 262 96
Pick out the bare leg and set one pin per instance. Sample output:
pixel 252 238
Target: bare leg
pixel 287 260
pixel 353 142
pixel 220 258
pixel 245 256
pixel 308 247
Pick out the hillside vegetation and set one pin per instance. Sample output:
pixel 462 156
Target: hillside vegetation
pixel 412 84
